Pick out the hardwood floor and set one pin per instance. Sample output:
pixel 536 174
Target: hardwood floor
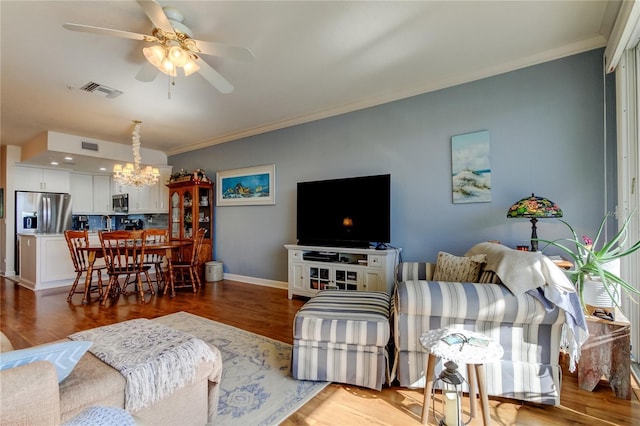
pixel 28 319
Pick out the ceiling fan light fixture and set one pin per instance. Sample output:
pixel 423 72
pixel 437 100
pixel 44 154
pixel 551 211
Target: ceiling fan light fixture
pixel 178 56
pixel 173 47
pixel 168 67
pixel 190 67
pixel 155 55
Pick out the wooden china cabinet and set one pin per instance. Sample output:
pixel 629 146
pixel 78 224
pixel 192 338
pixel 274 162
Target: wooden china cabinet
pixel 191 208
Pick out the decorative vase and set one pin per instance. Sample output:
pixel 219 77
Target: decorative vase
pixel 594 293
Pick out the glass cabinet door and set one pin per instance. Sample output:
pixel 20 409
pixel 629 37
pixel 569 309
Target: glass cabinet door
pixel 204 212
pixel 176 214
pixel 188 214
pixel 318 278
pixel 346 279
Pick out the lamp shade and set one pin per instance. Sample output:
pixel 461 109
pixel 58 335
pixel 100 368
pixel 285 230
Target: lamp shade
pixel 534 207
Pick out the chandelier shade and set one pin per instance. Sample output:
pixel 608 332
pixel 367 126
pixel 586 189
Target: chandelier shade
pixel 133 174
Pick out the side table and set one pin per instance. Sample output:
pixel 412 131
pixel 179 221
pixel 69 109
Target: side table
pixel 461 353
pixel 607 352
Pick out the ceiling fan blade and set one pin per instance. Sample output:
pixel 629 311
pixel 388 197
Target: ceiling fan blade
pixel 108 32
pixel 156 15
pixel 147 73
pixel 225 50
pixel 213 77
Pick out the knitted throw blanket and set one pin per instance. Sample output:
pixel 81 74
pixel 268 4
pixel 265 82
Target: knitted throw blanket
pixel 154 359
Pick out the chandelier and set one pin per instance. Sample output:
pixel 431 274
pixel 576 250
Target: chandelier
pixel 133 174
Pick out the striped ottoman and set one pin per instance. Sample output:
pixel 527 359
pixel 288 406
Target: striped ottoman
pixel 342 336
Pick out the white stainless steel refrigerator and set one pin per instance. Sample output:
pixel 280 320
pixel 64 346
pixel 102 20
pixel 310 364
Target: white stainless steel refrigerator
pixel 41 213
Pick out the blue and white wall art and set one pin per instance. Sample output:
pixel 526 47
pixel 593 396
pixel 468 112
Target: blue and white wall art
pixel 471 167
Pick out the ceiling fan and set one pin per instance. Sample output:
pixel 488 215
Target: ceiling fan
pixel 174 46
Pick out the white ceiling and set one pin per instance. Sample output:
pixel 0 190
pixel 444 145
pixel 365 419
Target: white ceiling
pixel 313 60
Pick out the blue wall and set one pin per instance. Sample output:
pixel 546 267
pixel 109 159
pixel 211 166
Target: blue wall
pixel 547 136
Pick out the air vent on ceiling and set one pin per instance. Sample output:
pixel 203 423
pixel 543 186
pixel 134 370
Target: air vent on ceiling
pixel 90 146
pixel 109 92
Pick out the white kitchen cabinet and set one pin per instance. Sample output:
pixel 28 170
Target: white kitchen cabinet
pixel 117 188
pixel 37 179
pixel 81 193
pixel 45 262
pixel 140 199
pixel 90 193
pixel 312 269
pixel 160 198
pixel 102 194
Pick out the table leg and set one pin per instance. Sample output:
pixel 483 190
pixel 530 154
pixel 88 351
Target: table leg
pixel 168 284
pixel 91 257
pixel 473 390
pixel 484 398
pixel 428 387
pixel 140 290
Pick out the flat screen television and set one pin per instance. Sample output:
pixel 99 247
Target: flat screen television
pixel 349 212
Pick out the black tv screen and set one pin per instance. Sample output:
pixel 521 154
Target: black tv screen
pixel 350 212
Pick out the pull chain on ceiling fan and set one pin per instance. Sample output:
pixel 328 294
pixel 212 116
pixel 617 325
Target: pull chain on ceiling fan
pixel 174 48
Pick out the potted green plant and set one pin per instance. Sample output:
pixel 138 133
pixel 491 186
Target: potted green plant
pixel 592 258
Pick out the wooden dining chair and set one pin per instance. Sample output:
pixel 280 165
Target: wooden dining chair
pixel 124 255
pixel 186 273
pixel 76 240
pixel 156 260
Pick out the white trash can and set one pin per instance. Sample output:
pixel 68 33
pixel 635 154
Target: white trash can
pixel 213 271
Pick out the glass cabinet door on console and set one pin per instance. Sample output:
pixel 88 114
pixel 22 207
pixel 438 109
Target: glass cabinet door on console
pixel 321 277
pixel 190 208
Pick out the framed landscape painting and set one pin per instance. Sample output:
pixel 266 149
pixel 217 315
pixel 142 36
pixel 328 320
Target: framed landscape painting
pixel 471 167
pixel 246 187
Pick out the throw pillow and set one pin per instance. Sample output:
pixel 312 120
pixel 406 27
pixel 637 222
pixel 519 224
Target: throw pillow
pixel 489 277
pixel 64 356
pixel 458 269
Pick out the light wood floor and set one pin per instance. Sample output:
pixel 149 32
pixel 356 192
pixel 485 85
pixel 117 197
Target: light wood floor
pixel 28 318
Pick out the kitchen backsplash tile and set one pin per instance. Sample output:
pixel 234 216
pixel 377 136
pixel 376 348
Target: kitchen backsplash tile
pixel 98 222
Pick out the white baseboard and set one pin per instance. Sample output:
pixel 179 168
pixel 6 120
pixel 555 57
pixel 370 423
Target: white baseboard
pixel 257 281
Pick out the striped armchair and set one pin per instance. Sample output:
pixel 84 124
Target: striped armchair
pixel 530 336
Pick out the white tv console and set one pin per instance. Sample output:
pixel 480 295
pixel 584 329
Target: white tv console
pixel 315 268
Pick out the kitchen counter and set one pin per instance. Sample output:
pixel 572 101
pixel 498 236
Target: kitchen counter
pixel 45 262
pixel 33 234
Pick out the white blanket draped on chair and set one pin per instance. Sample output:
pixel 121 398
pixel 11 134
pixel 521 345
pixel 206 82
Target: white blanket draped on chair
pixel 526 272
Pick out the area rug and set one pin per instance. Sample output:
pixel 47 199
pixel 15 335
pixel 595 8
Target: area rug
pixel 257 387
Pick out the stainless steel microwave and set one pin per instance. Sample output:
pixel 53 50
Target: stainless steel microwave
pixel 121 203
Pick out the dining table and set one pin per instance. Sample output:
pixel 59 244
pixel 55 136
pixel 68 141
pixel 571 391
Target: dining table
pixel 166 248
